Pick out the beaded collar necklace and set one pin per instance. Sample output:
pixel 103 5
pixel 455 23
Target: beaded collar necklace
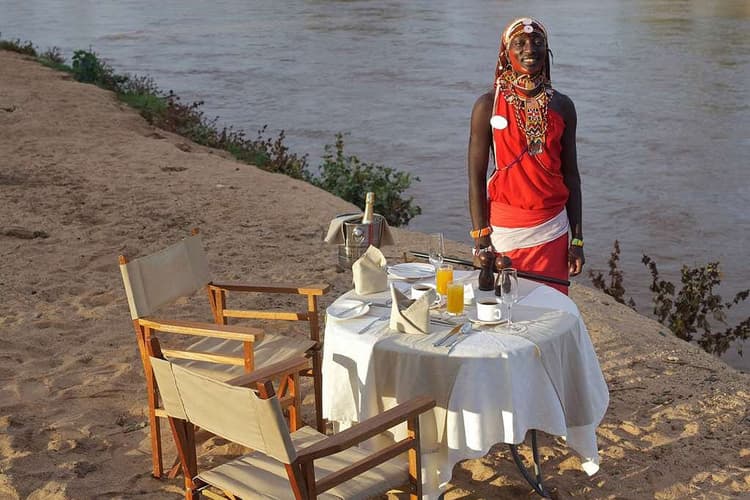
pixel 534 119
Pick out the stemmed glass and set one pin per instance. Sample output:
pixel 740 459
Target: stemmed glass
pixel 508 285
pixel 437 250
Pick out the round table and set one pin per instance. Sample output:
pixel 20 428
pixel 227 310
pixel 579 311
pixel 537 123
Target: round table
pixel 491 387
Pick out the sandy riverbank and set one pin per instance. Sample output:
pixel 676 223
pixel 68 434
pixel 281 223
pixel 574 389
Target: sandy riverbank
pixel 83 179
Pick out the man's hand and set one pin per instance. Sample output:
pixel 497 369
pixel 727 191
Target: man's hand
pixel 576 260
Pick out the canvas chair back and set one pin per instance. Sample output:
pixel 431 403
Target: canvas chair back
pixel 161 278
pixel 234 413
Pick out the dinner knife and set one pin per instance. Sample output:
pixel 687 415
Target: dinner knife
pixel 453 331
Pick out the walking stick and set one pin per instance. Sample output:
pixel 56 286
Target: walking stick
pixel 521 274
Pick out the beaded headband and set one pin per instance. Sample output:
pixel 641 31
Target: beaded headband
pixel 520 25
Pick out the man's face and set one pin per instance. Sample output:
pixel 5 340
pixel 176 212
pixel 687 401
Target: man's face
pixel 526 52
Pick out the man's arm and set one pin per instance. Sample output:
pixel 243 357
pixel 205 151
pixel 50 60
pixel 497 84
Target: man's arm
pixel 572 179
pixel 480 139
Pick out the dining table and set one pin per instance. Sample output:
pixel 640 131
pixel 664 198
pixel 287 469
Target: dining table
pixel 492 386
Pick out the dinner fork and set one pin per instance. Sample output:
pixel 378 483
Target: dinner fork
pixel 369 324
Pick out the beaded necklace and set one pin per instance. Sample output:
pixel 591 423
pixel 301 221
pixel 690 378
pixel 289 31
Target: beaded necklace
pixel 534 106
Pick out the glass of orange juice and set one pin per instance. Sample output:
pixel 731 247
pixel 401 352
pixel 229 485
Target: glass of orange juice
pixel 455 302
pixel 443 277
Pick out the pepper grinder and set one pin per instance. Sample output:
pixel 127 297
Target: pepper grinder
pixel 487 269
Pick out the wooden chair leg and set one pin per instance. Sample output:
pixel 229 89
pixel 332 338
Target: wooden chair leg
pixel 155 427
pixel 317 360
pixel 415 459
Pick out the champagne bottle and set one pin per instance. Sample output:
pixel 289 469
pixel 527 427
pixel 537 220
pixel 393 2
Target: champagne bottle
pixel 369 207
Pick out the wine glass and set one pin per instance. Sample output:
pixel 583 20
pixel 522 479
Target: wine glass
pixel 508 286
pixel 437 250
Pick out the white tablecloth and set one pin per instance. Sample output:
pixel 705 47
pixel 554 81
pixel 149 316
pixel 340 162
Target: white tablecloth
pixel 493 387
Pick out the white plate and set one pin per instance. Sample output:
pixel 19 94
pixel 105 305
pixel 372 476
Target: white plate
pixel 471 315
pixel 412 270
pixel 348 309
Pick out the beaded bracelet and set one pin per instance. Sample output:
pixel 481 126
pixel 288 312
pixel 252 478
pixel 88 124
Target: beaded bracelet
pixel 576 242
pixel 479 233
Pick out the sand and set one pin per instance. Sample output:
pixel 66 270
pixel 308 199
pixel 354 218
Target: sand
pixel 83 179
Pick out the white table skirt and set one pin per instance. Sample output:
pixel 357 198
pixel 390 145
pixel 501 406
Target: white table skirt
pixel 492 388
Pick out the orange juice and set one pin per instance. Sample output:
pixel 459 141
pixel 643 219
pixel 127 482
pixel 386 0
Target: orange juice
pixel 443 277
pixel 455 302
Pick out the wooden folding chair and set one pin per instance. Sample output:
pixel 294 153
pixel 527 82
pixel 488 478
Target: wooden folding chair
pixel 304 464
pixel 222 351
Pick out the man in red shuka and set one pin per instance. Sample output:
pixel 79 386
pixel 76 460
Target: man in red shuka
pixel 530 208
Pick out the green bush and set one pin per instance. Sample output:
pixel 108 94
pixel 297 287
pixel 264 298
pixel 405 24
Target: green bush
pixel 349 178
pixel 615 289
pixel 26 48
pixel 689 311
pixel 88 68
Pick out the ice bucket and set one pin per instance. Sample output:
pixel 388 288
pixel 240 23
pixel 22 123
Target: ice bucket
pixel 357 239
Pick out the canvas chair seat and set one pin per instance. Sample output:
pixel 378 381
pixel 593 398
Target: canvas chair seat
pixel 272 349
pixel 258 476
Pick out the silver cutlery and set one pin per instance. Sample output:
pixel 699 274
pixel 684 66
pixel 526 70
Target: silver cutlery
pixel 463 332
pixel 452 332
pixel 443 322
pixel 369 324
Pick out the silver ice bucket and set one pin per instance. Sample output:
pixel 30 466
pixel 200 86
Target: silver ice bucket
pixel 357 239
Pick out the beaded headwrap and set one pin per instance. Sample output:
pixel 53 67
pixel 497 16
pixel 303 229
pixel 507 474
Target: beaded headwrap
pixel 507 81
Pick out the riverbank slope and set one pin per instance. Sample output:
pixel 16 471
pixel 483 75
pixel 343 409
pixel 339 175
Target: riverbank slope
pixel 83 179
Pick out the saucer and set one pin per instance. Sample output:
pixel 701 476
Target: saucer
pixel 472 316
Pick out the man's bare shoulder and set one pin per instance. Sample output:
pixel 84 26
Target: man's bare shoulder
pixel 484 103
pixel 563 104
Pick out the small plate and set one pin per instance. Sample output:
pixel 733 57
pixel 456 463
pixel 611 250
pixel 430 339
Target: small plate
pixel 412 270
pixel 471 315
pixel 348 309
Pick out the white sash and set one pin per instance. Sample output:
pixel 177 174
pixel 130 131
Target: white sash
pixel 505 239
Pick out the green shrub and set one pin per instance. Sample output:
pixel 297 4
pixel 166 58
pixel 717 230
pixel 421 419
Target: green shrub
pixel 349 178
pixel 615 289
pixel 26 48
pixel 689 311
pixel 88 68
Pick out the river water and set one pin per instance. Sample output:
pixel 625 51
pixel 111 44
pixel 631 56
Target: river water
pixel 659 86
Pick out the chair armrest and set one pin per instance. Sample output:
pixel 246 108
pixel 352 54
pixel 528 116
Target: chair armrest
pixel 286 367
pixel 367 429
pixel 232 332
pixel 314 289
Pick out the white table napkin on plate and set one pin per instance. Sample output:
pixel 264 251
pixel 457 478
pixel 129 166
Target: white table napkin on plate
pixel 369 272
pixel 411 316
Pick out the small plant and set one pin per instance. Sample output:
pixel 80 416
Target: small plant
pixel 53 55
pixel 349 178
pixel 89 68
pixel 689 311
pixel 26 48
pixel 615 289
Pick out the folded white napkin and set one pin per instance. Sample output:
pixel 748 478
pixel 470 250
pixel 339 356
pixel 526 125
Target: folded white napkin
pixel 335 234
pixel 411 316
pixel 369 272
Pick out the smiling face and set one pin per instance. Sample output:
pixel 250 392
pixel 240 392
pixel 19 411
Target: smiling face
pixel 527 52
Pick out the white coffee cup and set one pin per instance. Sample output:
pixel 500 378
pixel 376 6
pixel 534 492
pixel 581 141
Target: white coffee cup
pixel 419 289
pixel 488 310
